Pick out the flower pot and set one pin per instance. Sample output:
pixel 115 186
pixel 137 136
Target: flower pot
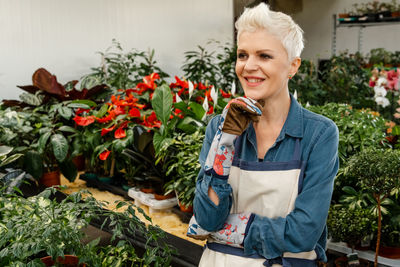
pixel 389 252
pixel 147 190
pixel 185 208
pixel 341 261
pixel 79 162
pixel 88 176
pixel 67 261
pixel 106 180
pixel 343 15
pixel 162 197
pixel 49 179
pixel 396 14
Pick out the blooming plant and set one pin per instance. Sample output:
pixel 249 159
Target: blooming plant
pixel 382 82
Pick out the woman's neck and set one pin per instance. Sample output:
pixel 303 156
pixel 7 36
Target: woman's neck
pixel 276 110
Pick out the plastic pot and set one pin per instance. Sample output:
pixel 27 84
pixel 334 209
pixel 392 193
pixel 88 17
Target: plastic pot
pixel 49 179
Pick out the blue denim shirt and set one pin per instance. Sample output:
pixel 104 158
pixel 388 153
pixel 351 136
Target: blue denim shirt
pixel 304 229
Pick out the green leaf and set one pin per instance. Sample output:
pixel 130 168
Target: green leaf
pixel 69 129
pixel 162 103
pixel 78 105
pixel 33 163
pixel 43 141
pixel 4 150
pixel 65 112
pixel 10 159
pixel 60 146
pixel 102 111
pixel 198 110
pixel 188 125
pixel 31 99
pixel 87 102
pixel 68 169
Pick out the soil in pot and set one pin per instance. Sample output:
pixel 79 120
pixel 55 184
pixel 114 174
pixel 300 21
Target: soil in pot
pixel 162 196
pixel 389 252
pixel 67 261
pixel 185 208
pixel 49 179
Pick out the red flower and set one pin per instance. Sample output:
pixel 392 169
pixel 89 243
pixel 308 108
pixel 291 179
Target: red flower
pixel 134 112
pixel 119 110
pixel 105 131
pixel 201 86
pixel 179 83
pixel 120 133
pixel 107 118
pixel 104 155
pixel 224 94
pixel 210 110
pixel 151 121
pixel 84 121
pixel 178 113
pixel 148 83
pixel 81 110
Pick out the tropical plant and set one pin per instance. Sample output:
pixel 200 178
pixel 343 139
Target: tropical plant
pixel 180 159
pixel 123 70
pixel 40 225
pixel 378 173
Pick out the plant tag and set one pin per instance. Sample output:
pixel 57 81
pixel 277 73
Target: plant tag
pixel 352 259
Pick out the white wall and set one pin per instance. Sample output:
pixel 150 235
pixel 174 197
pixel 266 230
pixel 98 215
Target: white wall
pixel 316 21
pixel 63 36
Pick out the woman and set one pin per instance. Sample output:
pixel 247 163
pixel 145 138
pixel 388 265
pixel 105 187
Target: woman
pixel 268 165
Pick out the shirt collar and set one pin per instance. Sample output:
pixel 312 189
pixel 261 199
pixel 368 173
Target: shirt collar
pixel 293 125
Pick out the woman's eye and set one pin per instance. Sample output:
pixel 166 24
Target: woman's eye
pixel 241 56
pixel 265 56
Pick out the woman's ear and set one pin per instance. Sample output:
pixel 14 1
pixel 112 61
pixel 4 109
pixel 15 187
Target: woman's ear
pixel 295 65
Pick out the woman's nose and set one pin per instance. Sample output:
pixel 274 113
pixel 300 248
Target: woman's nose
pixel 251 64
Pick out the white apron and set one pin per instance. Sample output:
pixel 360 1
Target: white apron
pixel 267 189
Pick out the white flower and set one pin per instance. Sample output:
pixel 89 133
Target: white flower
pixel 214 95
pixel 308 104
pixel 381 81
pixel 382 101
pixel 191 89
pixel 295 94
pixel 205 106
pixel 233 89
pixel 178 98
pixel 380 91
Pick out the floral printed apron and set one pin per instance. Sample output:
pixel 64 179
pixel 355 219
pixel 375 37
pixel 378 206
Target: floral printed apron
pixel 267 189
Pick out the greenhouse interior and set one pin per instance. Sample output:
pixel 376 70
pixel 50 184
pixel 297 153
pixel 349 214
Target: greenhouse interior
pixel 141 133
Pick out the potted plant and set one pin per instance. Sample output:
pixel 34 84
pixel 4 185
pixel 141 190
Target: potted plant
pixel 32 228
pixel 350 225
pixel 180 158
pixel 378 173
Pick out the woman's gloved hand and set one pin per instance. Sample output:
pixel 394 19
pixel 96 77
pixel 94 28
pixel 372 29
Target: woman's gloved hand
pixel 236 117
pixel 232 233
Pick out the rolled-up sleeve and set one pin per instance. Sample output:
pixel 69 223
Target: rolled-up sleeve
pixel 208 215
pixel 301 229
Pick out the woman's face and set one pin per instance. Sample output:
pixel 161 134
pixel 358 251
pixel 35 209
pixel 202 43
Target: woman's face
pixel 262 65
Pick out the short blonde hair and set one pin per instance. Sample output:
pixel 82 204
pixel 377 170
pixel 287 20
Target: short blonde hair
pixel 277 23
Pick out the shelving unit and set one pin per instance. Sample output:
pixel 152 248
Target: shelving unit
pixel 360 25
pixel 366 255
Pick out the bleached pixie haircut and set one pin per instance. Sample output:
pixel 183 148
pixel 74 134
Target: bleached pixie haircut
pixel 279 24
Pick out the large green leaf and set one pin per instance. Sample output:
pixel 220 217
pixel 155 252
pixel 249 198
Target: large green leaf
pixel 90 103
pixel 31 99
pixel 33 163
pixel 65 112
pixel 68 169
pixel 159 141
pixel 162 103
pixel 188 125
pixel 69 129
pixel 60 146
pixel 198 110
pixel 78 105
pixel 102 111
pixel 43 141
pixel 10 159
pixel 4 150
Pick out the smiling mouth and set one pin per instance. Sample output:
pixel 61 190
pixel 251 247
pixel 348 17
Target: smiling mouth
pixel 254 80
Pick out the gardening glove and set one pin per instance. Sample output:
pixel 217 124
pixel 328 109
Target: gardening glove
pixel 234 230
pixel 195 231
pixel 236 117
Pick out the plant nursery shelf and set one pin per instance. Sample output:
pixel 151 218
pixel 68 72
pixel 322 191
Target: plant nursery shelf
pixel 366 255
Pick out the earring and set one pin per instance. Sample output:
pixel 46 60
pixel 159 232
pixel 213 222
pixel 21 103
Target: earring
pixel 290 76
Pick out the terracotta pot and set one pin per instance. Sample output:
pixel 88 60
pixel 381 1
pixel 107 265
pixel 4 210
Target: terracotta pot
pixel 68 261
pixel 396 14
pixel 49 179
pixel 162 197
pixel 147 190
pixel 341 261
pixel 79 162
pixel 343 15
pixel 389 252
pixel 185 208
